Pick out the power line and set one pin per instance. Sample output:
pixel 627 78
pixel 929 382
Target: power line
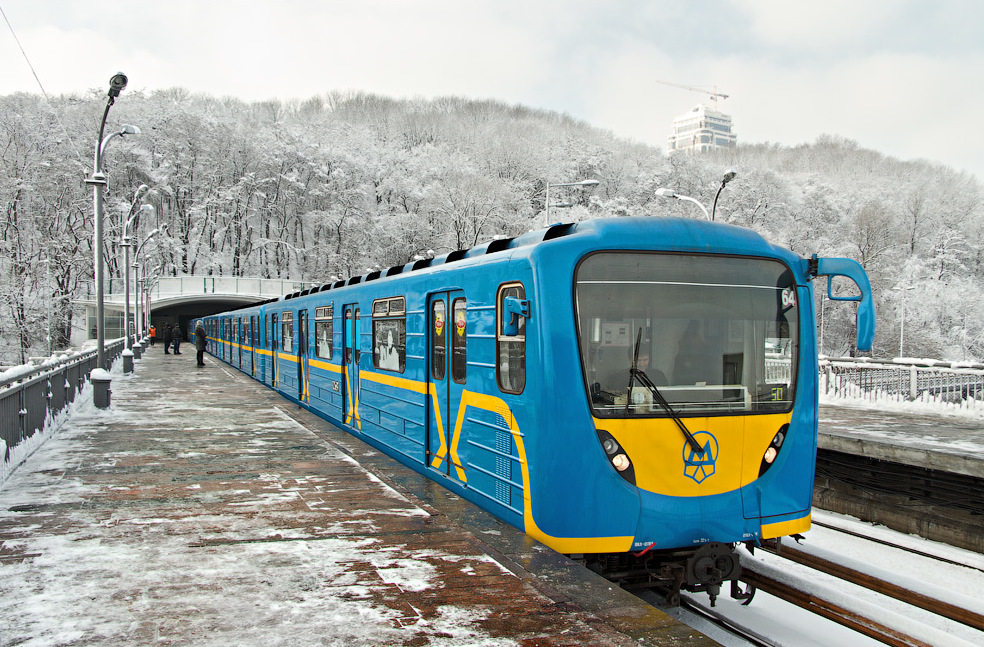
pixel 38 79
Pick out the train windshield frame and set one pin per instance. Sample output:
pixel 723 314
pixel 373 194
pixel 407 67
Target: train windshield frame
pixel 714 334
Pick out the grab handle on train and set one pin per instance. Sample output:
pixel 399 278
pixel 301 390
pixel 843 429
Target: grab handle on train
pixel 831 267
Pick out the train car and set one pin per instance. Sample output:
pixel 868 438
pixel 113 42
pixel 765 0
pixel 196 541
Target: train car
pixel 638 393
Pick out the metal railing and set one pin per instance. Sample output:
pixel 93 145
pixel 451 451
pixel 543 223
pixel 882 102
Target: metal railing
pixel 29 400
pixel 181 285
pixel 956 384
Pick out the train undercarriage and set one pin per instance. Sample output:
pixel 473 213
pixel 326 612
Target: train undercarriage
pixel 666 572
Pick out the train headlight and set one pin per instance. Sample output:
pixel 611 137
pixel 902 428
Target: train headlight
pixel 772 451
pixel 618 457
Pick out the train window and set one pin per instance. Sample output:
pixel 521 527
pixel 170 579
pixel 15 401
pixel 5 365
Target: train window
pixel 511 348
pixel 713 334
pixel 287 331
pixel 389 334
pixel 458 341
pixel 323 329
pixel 439 346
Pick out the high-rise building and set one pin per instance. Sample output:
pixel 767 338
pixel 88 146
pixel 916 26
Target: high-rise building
pixel 700 130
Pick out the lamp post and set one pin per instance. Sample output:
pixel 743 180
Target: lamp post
pixel 667 193
pixel 137 298
pixel 546 205
pixel 902 290
pixel 125 244
pixel 730 175
pixel 47 286
pixel 98 182
pixel 136 254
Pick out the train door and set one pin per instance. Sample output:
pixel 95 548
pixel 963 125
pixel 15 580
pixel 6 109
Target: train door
pixel 303 385
pixel 253 331
pixel 274 348
pixel 447 373
pixel 240 341
pixel 350 365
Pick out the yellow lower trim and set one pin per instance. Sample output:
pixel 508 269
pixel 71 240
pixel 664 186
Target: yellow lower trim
pixel 783 528
pixel 560 544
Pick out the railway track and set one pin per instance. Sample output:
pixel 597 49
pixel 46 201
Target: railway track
pixel 865 619
pixel 869 585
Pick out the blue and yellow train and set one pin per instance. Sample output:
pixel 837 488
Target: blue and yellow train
pixel 640 393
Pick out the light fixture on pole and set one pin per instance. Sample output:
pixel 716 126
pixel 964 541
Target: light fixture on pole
pixel 667 193
pixel 98 183
pixel 125 244
pixel 546 204
pixel 730 175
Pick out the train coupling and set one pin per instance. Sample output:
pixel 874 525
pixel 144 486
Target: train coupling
pixel 713 564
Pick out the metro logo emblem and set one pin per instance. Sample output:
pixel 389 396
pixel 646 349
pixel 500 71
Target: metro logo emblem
pixel 700 466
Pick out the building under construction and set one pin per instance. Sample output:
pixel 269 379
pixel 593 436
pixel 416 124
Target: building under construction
pixel 700 130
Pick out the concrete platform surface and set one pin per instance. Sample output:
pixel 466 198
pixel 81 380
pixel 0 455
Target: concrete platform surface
pixel 947 443
pixel 204 509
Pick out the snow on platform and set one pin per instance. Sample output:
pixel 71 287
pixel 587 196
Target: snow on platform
pixel 202 508
pixel 940 442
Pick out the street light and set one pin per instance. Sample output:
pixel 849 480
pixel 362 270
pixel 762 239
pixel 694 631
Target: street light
pixel 730 175
pixel 98 182
pixel 47 286
pixel 546 208
pixel 125 244
pixel 667 193
pixel 903 290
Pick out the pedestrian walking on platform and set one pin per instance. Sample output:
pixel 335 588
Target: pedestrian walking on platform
pixel 200 342
pixel 167 338
pixel 153 334
pixel 176 338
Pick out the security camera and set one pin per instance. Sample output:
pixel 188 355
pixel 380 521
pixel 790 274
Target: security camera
pixel 116 84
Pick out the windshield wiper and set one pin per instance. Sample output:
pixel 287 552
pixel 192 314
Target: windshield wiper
pixel 636 373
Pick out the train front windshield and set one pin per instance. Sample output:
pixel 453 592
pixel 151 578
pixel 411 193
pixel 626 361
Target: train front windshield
pixel 705 334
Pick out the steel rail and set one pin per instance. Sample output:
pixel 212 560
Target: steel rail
pixel 925 602
pixel 883 542
pixel 830 611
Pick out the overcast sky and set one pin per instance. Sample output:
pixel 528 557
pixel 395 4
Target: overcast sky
pixel 899 76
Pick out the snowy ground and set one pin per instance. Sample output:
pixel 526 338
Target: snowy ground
pixel 172 519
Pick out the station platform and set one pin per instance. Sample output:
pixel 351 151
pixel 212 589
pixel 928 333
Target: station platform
pixel 202 508
pixel 949 444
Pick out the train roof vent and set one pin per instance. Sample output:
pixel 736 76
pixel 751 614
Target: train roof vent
pixel 353 280
pixel 456 255
pixel 556 231
pixel 422 263
pixel 396 269
pixel 498 245
pixel 338 284
pixel 372 276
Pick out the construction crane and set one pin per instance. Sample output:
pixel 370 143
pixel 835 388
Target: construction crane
pixel 714 94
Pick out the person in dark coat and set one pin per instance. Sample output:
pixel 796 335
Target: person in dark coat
pixel 200 342
pixel 176 338
pixel 167 339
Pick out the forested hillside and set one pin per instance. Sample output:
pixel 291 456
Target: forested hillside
pixel 343 183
